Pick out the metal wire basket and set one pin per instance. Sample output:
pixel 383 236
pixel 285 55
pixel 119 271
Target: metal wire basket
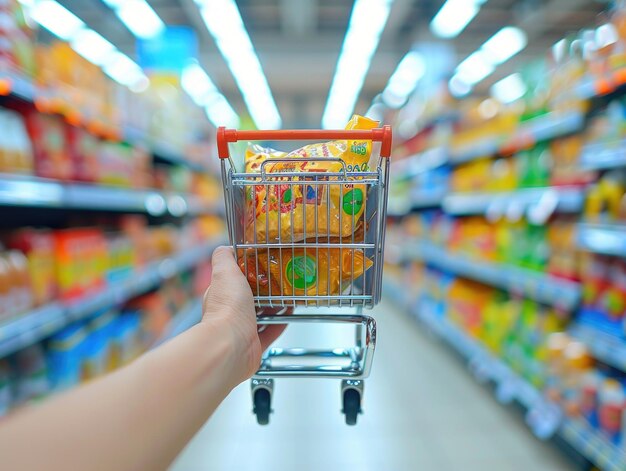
pixel 309 222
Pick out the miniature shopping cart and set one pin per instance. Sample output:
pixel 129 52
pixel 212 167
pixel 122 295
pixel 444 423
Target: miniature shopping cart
pixel 263 241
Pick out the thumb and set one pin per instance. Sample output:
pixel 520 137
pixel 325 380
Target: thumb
pixel 223 261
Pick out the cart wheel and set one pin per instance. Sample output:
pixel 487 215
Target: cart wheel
pixel 351 405
pixel 262 403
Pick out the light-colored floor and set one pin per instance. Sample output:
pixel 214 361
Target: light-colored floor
pixel 423 411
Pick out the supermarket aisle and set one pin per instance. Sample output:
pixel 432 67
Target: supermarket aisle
pixel 422 412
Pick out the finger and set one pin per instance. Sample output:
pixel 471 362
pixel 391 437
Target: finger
pixel 270 334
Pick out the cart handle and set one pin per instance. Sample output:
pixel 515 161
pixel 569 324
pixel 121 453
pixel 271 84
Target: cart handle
pixel 225 136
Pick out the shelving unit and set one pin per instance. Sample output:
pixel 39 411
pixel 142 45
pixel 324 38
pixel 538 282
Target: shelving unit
pixel 35 325
pixel 544 418
pixel 592 87
pixel 542 128
pixel 592 445
pixel 24 89
pixel 605 347
pixel 563 200
pixel 546 289
pixel 608 239
pixel 26 191
pixel 427 199
pixel 603 156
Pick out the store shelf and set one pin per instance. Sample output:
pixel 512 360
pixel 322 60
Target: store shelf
pixel 25 191
pixel 605 347
pixel 546 289
pixel 542 416
pixel 536 202
pixel 427 198
pixel 592 87
pixel 542 128
pixel 24 89
pixel 608 239
pixel 38 324
pixel 593 445
pixel 186 318
pixel 603 156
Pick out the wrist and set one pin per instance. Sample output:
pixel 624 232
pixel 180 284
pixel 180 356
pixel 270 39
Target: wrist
pixel 239 350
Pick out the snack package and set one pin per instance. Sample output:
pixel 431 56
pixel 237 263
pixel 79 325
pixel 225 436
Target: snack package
pixel 291 212
pixel 300 272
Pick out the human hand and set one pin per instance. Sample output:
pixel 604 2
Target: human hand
pixel 228 304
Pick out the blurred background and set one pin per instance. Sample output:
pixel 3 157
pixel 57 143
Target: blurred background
pixel 502 342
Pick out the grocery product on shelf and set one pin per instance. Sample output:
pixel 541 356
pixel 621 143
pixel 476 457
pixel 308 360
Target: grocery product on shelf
pixel 107 340
pixel 17 53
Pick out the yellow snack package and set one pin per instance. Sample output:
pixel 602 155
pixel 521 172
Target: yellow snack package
pixel 319 272
pixel 289 212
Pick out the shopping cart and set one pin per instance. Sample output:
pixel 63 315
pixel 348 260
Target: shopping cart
pixel 363 201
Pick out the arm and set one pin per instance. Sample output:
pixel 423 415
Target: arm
pixel 140 417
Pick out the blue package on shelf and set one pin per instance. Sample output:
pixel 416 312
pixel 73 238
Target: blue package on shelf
pixel 65 356
pixel 601 321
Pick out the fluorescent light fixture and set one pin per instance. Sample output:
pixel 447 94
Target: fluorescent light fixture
pixel 458 87
pixel 224 22
pixel 505 44
pixel 124 70
pixel 454 16
pixel 606 35
pixel 367 22
pixel 404 79
pixel 199 86
pixel 92 46
pixel 55 18
pixel 475 68
pixel 509 89
pixel 138 16
pixel 220 113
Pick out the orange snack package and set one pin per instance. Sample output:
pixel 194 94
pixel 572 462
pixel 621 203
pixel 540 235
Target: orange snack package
pixel 300 272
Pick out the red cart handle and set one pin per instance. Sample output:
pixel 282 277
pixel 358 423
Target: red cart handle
pixel 225 136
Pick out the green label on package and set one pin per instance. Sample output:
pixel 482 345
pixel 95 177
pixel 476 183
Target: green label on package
pixel 301 272
pixel 353 201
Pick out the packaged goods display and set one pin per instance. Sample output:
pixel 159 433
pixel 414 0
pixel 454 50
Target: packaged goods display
pixel 564 133
pixel 107 340
pixel 41 266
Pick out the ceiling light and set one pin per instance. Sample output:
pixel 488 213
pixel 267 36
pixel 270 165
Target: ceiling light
pixel 404 79
pixel 475 68
pixel 139 17
pixel 458 87
pixel 122 69
pixel 606 35
pixel 367 22
pixel 199 86
pixel 454 16
pixel 92 46
pixel 505 44
pixel 509 89
pixel 55 18
pixel 224 22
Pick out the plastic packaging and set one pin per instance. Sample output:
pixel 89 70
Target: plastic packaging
pixel 294 212
pixel 300 272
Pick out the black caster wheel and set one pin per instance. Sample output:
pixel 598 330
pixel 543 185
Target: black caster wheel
pixel 262 406
pixel 351 405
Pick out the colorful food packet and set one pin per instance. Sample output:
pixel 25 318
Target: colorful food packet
pixel 291 212
pixel 300 272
